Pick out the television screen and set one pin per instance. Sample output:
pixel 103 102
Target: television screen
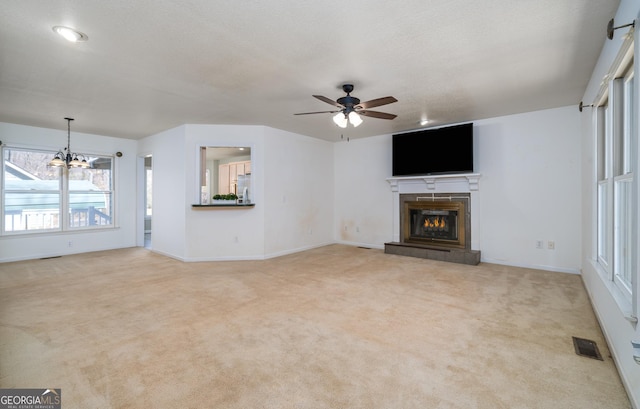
pixel 433 151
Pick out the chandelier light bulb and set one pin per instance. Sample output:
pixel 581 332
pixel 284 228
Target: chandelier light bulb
pixel 57 161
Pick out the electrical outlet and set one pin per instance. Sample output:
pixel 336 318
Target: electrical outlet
pixel 70 244
pixel 345 228
pixel 357 229
pixel 551 245
pixel 237 240
pixel 539 244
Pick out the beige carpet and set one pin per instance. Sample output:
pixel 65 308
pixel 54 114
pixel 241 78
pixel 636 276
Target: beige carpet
pixel 334 327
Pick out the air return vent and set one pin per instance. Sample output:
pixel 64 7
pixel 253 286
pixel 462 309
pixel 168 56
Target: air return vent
pixel 586 347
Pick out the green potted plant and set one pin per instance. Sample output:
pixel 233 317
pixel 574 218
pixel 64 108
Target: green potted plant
pixel 225 199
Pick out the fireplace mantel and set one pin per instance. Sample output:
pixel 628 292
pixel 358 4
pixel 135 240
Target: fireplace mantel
pixel 458 183
pixel 465 182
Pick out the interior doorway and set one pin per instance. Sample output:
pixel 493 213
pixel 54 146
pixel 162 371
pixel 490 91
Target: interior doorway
pixel 148 200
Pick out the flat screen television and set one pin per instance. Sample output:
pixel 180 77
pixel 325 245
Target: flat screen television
pixel 433 151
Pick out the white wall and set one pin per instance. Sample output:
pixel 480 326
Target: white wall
pixel 292 183
pixel 223 233
pixel 363 202
pixel 30 246
pixel 298 199
pixel 612 311
pixel 529 189
pixel 168 191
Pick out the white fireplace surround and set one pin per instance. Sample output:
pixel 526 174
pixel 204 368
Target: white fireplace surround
pixel 441 184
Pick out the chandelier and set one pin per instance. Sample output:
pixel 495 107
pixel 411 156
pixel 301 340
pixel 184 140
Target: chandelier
pixel 65 157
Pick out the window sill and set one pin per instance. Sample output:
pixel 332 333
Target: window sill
pixel 618 296
pixel 222 205
pixel 36 233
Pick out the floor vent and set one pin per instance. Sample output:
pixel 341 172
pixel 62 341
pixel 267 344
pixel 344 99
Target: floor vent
pixel 366 248
pixel 586 347
pixel 47 258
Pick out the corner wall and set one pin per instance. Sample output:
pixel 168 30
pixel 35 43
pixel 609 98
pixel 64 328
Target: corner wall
pixel 363 200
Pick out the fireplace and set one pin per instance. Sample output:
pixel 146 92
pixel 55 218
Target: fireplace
pixel 435 226
pixel 434 222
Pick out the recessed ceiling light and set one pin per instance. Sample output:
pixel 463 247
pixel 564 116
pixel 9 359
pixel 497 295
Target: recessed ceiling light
pixel 70 34
pixel 423 122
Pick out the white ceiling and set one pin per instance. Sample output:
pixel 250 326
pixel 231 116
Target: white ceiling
pixel 151 65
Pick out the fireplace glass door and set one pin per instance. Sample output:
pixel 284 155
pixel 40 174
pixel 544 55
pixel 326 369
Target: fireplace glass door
pixel 434 222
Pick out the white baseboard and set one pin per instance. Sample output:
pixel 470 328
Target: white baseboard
pixel 533 266
pixel 358 244
pixel 296 250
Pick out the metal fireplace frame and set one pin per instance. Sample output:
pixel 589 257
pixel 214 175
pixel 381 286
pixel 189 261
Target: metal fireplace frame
pixel 458 206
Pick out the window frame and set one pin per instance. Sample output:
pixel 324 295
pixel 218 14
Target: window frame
pixel 64 192
pixel 616 135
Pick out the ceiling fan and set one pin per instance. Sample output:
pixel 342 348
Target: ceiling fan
pixel 350 108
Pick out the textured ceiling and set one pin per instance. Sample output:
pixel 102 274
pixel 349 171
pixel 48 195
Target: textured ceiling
pixel 151 65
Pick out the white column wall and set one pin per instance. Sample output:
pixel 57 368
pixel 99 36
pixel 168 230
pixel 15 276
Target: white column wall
pixel 168 190
pixel 298 199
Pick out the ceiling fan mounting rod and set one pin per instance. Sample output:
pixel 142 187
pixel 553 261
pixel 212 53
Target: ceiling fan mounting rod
pixel 347 88
pixel 348 101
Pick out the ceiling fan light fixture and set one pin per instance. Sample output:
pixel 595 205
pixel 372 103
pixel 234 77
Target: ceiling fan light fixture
pixel 340 119
pixel 350 109
pixel 354 119
pixel 70 34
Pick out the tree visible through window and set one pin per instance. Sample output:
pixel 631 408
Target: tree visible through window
pixel 34 193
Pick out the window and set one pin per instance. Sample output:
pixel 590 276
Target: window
pixel 35 194
pixel 616 135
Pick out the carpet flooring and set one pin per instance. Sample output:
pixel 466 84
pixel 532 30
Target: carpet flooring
pixel 333 327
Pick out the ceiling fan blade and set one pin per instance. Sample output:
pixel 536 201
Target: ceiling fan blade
pixel 328 101
pixel 317 112
pixel 376 114
pixel 377 102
